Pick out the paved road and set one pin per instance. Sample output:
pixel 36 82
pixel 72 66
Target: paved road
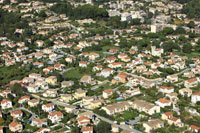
pixel 125 127
pixel 97 86
pixel 158 80
pixel 33 115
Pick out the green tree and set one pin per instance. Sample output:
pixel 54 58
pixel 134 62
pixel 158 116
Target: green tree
pixel 187 48
pixel 191 24
pixel 17 89
pixel 102 127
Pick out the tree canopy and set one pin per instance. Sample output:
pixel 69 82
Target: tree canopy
pixel 192 9
pixel 80 12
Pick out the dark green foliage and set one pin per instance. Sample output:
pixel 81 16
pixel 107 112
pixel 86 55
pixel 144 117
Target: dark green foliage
pixel 187 48
pixel 81 12
pixel 17 89
pixel 191 24
pixel 103 127
pixel 192 9
pixel 116 23
pixel 9 22
pixel 169 46
pixel 182 1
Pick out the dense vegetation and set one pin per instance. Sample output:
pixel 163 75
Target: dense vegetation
pixel 192 9
pixel 182 1
pixel 81 12
pixel 9 22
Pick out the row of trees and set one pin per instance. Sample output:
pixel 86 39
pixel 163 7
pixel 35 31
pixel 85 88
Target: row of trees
pixel 80 12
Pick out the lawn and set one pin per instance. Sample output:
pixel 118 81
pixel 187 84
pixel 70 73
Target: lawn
pixel 73 74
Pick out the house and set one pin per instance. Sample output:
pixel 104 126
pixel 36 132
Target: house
pixel 17 114
pixel 152 124
pixel 70 109
pixel 93 56
pixel 33 102
pixel 88 129
pixel 168 116
pixel 83 121
pixel 55 117
pixel 190 83
pixel 10 62
pixel 83 64
pixel 115 65
pixel 173 97
pixel 165 89
pixel 59 66
pixel 88 114
pixel 121 77
pixel 86 79
pixel 33 88
pixel 43 130
pixel 66 97
pixel 50 93
pixel 97 68
pixel 34 76
pixel 39 122
pixel 39 43
pixel 186 92
pixel 147 107
pixel 117 107
pixel 163 102
pixel 79 94
pixel 15 127
pixel 65 84
pixel 156 51
pixel 40 82
pixel 110 59
pixel 172 78
pixel 24 99
pixel 87 100
pixel 52 80
pixel 194 128
pixel 106 72
pixel 189 74
pixel 93 104
pixel 27 80
pixel 195 97
pixel 107 93
pixel 131 92
pixel 115 128
pixel 6 104
pixel 48 107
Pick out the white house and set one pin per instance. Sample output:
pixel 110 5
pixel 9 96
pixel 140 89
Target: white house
pixel 195 97
pixel 55 117
pixel 6 103
pixel 48 107
pixel 163 102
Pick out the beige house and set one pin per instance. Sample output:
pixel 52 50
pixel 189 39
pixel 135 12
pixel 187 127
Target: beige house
pixel 147 107
pixel 185 92
pixel 66 97
pixel 115 128
pixel 191 83
pixel 70 109
pixel 15 127
pixel 168 116
pixel 117 107
pixel 79 94
pixel 152 125
pixel 33 102
pixel 86 79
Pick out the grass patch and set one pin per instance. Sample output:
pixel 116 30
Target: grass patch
pixel 73 74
